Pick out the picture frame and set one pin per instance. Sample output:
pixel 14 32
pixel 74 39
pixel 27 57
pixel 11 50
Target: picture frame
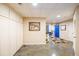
pixel 34 26
pixel 63 27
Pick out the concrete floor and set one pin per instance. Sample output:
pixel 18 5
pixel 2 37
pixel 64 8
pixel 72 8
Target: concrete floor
pixel 49 49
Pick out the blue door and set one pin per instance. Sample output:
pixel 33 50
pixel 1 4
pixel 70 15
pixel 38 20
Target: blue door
pixel 56 31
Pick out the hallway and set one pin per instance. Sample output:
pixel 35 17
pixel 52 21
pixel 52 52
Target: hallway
pixel 49 49
pixel 47 29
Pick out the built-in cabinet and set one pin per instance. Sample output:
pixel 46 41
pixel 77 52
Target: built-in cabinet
pixel 11 31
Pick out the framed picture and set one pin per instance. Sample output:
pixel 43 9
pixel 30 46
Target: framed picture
pixel 63 27
pixel 34 26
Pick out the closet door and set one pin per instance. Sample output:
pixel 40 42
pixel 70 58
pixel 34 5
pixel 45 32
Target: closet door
pixel 4 40
pixel 17 36
pixel 12 36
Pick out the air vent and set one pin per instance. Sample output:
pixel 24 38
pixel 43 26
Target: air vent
pixel 20 3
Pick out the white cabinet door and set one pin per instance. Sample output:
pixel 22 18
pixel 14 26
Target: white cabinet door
pixel 4 40
pixel 12 36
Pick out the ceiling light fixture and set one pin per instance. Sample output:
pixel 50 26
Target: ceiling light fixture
pixel 58 16
pixel 34 4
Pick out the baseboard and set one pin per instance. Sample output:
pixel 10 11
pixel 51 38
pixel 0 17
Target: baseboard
pixel 34 44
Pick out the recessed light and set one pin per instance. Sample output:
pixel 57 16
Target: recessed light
pixel 34 4
pixel 53 54
pixel 58 16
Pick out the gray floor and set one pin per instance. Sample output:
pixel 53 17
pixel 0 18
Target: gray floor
pixel 49 49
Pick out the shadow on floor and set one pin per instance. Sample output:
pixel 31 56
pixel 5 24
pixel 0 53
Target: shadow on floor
pixel 48 49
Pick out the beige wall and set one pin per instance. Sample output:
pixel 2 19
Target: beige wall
pixel 11 31
pixel 68 33
pixel 34 37
pixel 76 29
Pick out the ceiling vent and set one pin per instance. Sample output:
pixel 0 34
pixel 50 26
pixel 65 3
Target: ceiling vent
pixel 20 3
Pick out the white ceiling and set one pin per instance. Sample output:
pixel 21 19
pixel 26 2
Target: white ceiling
pixel 48 10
